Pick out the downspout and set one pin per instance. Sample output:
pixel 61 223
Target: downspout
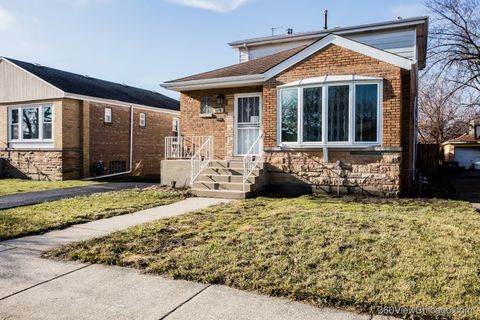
pixel 130 155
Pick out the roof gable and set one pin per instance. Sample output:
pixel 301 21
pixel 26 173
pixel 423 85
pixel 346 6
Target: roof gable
pixel 256 74
pixel 342 42
pixel 74 84
pixel 18 85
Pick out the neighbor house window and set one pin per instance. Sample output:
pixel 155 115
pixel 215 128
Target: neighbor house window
pixel 176 125
pixel 337 113
pixel 108 115
pixel 14 124
pixel 31 123
pixel 47 123
pixel 206 105
pixel 143 121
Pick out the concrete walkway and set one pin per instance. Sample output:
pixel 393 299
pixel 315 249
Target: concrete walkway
pixel 36 288
pixel 29 198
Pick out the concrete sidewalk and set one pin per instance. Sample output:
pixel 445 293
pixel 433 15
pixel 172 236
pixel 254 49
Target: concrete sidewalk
pixel 29 198
pixel 36 288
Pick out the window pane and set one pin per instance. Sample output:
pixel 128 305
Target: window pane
pixel 30 123
pixel 47 114
pixel 366 102
pixel 205 105
pixel 289 102
pixel 14 131
pixel 47 131
pixel 14 134
pixel 338 113
pixel 312 114
pixel 248 109
pixel 14 116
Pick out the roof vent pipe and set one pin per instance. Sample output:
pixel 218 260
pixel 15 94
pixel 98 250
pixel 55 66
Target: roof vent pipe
pixel 325 13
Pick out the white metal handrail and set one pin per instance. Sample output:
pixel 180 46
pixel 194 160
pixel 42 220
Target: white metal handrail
pixel 251 160
pixel 201 159
pixel 184 147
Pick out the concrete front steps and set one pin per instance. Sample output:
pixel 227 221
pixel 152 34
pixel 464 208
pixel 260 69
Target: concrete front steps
pixel 224 179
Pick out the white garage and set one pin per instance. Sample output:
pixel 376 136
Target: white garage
pixel 467 157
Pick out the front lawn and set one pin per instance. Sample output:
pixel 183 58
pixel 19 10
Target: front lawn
pixel 13 186
pixel 354 253
pixel 39 218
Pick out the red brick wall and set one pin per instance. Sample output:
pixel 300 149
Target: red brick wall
pixel 222 131
pixel 149 142
pixel 335 60
pixel 110 142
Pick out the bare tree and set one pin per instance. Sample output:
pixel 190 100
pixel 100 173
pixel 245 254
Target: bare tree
pixel 442 115
pixel 454 50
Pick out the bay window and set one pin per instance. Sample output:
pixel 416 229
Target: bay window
pixel 31 123
pixel 343 113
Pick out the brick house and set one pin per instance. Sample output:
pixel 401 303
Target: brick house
pixel 333 110
pixel 57 125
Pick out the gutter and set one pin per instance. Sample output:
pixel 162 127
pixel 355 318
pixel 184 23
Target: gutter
pixel 130 155
pixel 217 82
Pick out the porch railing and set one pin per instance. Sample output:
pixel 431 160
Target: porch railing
pixel 252 159
pixel 183 147
pixel 201 159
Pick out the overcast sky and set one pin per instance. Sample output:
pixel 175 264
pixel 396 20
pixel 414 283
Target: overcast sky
pixel 145 42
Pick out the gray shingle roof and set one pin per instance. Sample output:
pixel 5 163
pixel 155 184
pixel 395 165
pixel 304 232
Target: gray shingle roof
pixel 78 84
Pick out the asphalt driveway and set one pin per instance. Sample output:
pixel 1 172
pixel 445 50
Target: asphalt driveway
pixel 30 198
pixel 467 185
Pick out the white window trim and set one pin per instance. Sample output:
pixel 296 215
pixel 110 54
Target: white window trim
pixel 235 117
pixel 210 107
pixel 351 126
pixel 176 123
pixel 110 114
pixel 30 143
pixel 142 120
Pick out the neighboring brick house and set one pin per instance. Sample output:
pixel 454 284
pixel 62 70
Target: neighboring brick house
pixel 333 110
pixel 57 125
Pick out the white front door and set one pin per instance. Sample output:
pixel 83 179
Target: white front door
pixel 248 120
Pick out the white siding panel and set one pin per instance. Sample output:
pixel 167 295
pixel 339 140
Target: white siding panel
pixel 18 85
pixel 262 51
pixel 398 42
pixel 401 42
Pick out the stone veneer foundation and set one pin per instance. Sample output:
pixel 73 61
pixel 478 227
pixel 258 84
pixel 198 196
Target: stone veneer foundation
pixel 372 173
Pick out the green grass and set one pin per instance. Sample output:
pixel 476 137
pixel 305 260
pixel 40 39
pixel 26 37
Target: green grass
pixel 13 186
pixel 43 217
pixel 342 252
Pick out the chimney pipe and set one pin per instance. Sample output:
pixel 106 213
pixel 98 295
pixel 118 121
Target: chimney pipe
pixel 326 19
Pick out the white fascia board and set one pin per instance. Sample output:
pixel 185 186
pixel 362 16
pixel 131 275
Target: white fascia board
pixel 214 83
pixel 345 43
pixel 119 103
pixel 328 79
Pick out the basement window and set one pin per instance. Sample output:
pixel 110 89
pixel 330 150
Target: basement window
pixel 30 124
pixel 108 115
